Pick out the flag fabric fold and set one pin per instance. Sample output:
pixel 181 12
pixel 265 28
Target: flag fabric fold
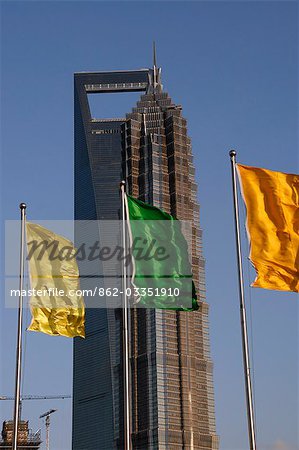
pixel 149 226
pixel 272 204
pixel 57 306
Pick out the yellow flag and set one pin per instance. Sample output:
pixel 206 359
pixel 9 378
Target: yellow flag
pixel 56 303
pixel 272 203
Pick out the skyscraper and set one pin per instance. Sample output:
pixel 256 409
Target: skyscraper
pixel 172 388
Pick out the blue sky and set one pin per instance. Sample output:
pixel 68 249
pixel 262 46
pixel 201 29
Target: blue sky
pixel 233 67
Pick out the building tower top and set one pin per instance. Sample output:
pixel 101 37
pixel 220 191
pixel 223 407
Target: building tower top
pixel 155 85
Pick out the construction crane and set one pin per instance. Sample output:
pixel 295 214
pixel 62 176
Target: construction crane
pixel 36 397
pixel 47 422
pixel 40 397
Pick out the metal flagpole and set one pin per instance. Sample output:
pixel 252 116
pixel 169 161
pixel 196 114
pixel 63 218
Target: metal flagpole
pixel 249 402
pixel 126 356
pixel 20 333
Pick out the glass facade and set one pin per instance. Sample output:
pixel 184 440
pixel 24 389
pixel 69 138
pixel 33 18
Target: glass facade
pixel 171 371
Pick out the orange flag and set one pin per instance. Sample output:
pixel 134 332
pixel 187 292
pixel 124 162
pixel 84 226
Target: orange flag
pixel 272 203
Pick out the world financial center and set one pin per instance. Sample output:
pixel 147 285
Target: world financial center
pixel 172 400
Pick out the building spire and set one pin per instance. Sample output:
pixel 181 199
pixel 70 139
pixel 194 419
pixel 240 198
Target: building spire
pixel 155 84
pixel 154 54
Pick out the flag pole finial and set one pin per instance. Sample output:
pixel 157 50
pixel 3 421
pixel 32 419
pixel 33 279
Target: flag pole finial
pixel 233 153
pixel 23 206
pixel 122 186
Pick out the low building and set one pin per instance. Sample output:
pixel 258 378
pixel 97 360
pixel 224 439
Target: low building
pixel 27 440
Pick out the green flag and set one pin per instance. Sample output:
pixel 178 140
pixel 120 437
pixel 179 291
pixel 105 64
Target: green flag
pixel 162 275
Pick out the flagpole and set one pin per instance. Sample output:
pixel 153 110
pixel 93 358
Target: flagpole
pixel 248 384
pixel 126 356
pixel 20 333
